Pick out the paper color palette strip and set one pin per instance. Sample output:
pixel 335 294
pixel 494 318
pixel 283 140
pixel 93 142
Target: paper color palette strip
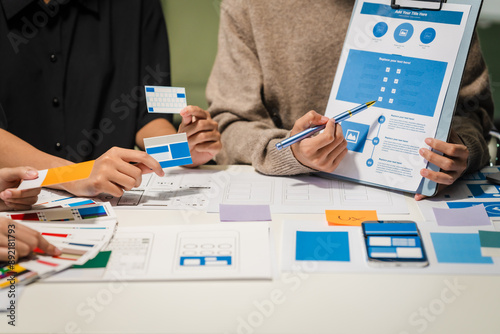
pixel 53 176
pixel 169 151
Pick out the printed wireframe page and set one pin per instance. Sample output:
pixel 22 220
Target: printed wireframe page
pixel 403 59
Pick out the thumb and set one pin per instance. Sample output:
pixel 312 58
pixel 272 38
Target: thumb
pixel 19 173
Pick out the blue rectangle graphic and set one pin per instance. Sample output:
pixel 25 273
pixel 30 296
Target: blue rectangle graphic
pixel 492 208
pixel 157 149
pixel 390 228
pixel 205 261
pixel 442 16
pixel 150 89
pixel 181 96
pixel 180 150
pixel 322 246
pixel 176 162
pixel 458 248
pixel 398 83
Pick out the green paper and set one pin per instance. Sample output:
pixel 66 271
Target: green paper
pixel 489 239
pixel 100 261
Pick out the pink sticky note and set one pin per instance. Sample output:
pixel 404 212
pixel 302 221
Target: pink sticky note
pixel 235 213
pixel 471 216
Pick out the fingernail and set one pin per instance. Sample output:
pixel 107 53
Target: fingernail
pixel 428 141
pixel 57 251
pixel 424 172
pixel 7 194
pixel 31 173
pixel 324 119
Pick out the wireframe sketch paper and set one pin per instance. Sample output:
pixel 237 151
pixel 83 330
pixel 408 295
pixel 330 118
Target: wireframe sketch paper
pixel 403 59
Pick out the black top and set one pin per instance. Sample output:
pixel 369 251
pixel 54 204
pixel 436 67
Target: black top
pixel 72 72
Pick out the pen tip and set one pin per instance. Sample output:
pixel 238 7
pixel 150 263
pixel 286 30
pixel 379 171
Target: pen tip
pixel 369 104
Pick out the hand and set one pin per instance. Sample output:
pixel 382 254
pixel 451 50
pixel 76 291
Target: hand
pixel 202 134
pixel 24 240
pixel 452 164
pixel 13 198
pixel 324 151
pixel 113 173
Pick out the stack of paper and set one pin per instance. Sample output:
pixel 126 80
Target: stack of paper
pixel 79 232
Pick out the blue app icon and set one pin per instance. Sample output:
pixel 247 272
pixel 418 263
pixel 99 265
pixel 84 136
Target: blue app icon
pixel 428 35
pixel 403 32
pixel 355 134
pixel 380 29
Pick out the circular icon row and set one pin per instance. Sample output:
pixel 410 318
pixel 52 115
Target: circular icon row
pixel 404 32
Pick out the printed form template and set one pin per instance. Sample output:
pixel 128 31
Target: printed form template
pixel 403 59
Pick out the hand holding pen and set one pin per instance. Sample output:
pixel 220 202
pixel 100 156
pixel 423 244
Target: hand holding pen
pixel 310 131
pixel 324 151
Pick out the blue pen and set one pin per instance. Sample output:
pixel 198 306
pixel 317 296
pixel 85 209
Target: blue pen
pixel 309 132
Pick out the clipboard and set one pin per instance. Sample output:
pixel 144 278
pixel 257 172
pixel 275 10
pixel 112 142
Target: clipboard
pixel 427 187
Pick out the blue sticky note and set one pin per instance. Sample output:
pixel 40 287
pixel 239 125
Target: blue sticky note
pixel 458 248
pixel 322 246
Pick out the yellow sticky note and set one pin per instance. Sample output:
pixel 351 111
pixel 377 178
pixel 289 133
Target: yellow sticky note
pixel 49 177
pixel 349 217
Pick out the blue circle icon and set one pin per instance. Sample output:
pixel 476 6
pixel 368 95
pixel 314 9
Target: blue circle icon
pixel 369 162
pixel 375 141
pixel 380 29
pixel 403 32
pixel 381 119
pixel 428 35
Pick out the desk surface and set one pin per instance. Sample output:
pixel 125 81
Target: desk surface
pixel 300 302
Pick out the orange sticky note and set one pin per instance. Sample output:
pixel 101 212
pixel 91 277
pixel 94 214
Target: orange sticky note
pixel 49 177
pixel 349 217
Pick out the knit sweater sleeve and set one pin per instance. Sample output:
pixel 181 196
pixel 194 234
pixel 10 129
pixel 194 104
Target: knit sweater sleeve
pixel 474 113
pixel 234 93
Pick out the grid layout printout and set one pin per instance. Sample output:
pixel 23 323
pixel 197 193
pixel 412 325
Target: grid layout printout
pixel 192 251
pixel 165 100
pixel 178 189
pixel 169 151
pixel 404 60
pixel 303 194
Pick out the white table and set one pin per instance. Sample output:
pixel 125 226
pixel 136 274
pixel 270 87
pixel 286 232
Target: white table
pixel 301 302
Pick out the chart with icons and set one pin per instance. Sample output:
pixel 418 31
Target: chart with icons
pixel 166 100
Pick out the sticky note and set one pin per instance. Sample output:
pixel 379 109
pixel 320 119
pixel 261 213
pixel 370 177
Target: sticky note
pixel 469 216
pixel 53 176
pixel 234 213
pixel 490 243
pixel 165 100
pixel 322 246
pixel 458 248
pixel 169 151
pixel 349 217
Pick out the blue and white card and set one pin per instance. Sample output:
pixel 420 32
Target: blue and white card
pixel 165 100
pixel 169 151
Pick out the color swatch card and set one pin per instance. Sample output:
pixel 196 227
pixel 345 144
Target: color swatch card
pixel 53 176
pixel 165 100
pixel 83 214
pixel 169 151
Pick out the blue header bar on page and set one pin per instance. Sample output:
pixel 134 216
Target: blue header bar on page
pixel 442 16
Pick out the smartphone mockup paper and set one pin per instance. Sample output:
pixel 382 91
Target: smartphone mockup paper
pixel 394 243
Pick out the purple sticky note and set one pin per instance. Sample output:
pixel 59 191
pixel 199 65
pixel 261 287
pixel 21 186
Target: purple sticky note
pixel 237 213
pixel 471 216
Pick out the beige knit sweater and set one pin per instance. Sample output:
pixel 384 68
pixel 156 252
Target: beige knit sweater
pixel 276 61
